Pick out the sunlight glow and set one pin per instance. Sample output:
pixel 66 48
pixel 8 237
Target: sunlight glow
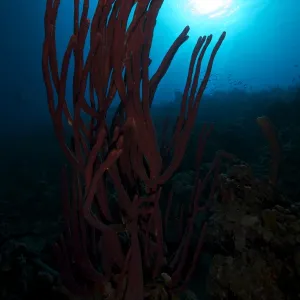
pixel 211 8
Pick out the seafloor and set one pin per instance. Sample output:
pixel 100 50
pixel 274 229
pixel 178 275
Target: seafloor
pixel 252 246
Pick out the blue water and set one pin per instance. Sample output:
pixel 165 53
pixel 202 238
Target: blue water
pixel 262 47
pixel 261 50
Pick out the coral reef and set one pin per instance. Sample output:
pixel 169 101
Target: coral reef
pixel 254 237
